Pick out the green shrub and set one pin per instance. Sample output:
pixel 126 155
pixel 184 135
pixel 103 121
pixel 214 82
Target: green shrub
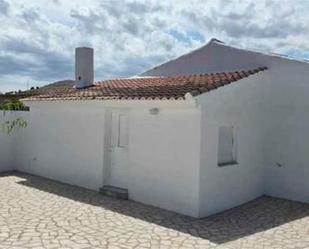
pixel 9 125
pixel 13 105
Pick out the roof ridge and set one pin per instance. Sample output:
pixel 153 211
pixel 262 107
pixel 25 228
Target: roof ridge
pixel 176 76
pixel 265 53
pixel 257 69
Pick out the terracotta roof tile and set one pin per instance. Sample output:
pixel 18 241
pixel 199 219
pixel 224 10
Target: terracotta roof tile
pixel 172 87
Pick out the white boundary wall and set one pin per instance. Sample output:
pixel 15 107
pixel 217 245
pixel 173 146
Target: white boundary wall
pixel 6 155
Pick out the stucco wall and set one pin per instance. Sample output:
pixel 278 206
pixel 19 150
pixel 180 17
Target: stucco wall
pixel 6 150
pixel 286 143
pixel 269 112
pixel 242 106
pixel 63 141
pixel 164 159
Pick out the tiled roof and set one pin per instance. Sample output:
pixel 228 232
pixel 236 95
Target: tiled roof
pixel 174 87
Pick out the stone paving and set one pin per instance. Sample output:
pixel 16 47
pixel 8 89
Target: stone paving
pixel 40 213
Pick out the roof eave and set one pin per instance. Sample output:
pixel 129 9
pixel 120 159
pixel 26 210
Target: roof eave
pixel 188 102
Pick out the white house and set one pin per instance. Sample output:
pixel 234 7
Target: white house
pixel 205 132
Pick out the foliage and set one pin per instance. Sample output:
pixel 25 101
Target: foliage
pixel 9 125
pixel 13 105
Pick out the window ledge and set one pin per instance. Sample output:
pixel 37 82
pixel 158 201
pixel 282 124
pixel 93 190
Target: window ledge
pixel 227 164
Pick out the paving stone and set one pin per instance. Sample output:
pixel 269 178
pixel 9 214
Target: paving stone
pixel 39 213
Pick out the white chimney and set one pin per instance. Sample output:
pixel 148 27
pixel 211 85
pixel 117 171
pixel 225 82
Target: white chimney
pixel 83 67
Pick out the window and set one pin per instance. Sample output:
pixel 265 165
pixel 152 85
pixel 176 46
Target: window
pixel 226 146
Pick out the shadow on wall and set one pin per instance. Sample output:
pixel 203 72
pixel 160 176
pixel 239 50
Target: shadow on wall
pixel 256 216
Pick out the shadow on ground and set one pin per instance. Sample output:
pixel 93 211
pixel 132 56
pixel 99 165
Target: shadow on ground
pixel 256 216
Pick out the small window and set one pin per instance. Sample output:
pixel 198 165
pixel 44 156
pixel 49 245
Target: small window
pixel 226 146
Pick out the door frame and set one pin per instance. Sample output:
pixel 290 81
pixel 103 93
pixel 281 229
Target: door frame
pixel 108 140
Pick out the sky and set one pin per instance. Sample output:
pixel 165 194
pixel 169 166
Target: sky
pixel 38 37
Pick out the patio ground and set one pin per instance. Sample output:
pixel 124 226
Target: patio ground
pixel 39 213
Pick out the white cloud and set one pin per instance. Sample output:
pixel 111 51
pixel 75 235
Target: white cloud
pixel 38 37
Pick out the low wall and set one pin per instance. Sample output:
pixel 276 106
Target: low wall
pixel 6 143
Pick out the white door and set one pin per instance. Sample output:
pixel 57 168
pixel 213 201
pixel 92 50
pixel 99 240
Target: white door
pixel 118 149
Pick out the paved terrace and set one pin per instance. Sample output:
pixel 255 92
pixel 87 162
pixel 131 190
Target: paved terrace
pixel 39 213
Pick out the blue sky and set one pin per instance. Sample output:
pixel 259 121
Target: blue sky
pixel 38 37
